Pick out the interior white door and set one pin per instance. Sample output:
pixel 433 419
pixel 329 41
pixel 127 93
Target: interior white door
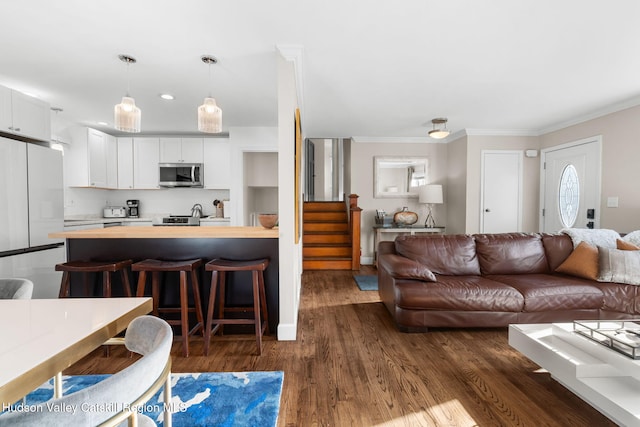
pixel 571 185
pixel 501 192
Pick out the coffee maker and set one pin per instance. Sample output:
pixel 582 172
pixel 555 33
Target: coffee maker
pixel 133 208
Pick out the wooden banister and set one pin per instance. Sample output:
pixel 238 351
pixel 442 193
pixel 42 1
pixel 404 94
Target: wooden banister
pixel 355 214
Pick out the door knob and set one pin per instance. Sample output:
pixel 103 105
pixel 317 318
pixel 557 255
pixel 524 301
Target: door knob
pixel 487 210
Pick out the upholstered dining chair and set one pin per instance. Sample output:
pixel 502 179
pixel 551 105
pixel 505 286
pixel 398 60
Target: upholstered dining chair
pixel 119 395
pixel 14 288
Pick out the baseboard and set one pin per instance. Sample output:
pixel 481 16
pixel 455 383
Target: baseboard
pixel 287 332
pixel 366 260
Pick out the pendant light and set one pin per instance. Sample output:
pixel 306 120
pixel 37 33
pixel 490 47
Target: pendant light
pixel 127 115
pixel 209 114
pixel 439 132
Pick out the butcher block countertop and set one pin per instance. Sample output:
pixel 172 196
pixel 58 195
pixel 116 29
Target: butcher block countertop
pixel 170 232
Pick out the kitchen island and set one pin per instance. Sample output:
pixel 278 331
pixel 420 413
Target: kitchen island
pixel 182 243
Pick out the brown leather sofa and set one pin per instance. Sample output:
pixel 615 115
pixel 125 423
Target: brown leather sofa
pixel 491 280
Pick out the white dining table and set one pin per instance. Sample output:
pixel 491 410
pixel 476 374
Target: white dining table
pixel 39 338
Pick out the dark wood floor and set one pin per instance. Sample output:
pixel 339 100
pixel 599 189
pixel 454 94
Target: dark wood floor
pixel 351 367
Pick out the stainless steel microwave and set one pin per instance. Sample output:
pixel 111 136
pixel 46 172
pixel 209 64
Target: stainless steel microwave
pixel 181 174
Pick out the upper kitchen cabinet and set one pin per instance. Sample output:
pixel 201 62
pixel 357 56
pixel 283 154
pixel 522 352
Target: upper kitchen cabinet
pixel 125 163
pixel 24 115
pixel 217 163
pixel 180 150
pixel 92 160
pixel 146 156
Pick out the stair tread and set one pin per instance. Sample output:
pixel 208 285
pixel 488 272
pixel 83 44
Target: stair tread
pixel 326 258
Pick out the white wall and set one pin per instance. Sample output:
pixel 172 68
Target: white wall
pixel 243 140
pixel 81 202
pixel 361 183
pixel 620 172
pixel 290 251
pixel 531 178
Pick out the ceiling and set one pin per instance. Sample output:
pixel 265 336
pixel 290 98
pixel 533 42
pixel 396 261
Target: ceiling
pixel 369 69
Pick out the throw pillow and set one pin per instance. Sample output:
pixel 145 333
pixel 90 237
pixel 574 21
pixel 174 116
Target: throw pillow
pixel 619 266
pixel 582 262
pixel 626 246
pixel 404 268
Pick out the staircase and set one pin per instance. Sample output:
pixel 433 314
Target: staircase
pixel 327 237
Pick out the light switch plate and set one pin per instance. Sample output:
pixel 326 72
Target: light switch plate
pixel 612 202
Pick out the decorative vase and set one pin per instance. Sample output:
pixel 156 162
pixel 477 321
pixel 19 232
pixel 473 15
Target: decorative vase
pixel 268 220
pixel 405 217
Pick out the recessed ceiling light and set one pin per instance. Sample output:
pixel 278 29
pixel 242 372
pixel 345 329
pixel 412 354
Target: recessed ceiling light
pixel 167 96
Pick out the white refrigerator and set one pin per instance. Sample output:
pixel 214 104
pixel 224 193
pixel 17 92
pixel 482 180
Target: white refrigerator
pixel 31 207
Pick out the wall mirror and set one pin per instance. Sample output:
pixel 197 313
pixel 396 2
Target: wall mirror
pixel 396 177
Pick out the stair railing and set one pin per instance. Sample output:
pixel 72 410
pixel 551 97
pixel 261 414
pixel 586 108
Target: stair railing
pixel 355 214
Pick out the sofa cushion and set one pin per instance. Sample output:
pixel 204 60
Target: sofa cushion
pixel 557 247
pixel 548 292
pixel 464 293
pixel 511 253
pixel 582 262
pixel 453 255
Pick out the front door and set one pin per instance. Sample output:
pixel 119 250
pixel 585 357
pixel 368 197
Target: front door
pixel 570 182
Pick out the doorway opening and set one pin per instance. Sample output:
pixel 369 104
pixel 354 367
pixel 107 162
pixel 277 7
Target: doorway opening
pixel 324 160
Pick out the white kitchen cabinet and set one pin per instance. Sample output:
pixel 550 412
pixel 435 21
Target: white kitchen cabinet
pixel 146 156
pixel 217 163
pixel 112 161
pixel 181 150
pixel 91 160
pixel 24 115
pixel 125 163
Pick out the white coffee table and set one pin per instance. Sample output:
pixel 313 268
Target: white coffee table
pixel 604 378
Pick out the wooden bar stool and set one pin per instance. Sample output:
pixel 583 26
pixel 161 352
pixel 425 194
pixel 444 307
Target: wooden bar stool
pixel 183 267
pixel 104 267
pixel 85 267
pixel 219 268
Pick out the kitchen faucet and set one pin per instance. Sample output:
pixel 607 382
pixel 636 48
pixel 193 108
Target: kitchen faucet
pixel 196 211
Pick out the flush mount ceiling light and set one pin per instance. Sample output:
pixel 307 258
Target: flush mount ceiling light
pixel 126 114
pixel 439 130
pixel 209 114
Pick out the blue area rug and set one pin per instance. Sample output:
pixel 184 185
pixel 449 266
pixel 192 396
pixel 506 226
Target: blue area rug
pixel 201 399
pixel 367 283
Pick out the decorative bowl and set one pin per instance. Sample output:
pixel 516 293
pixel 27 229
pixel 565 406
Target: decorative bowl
pixel 268 220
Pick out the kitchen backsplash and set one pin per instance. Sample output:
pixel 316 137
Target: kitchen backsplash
pixel 174 201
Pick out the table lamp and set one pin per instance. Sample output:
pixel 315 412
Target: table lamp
pixel 430 195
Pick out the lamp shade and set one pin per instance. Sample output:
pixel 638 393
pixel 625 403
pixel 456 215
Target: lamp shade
pixel 431 193
pixel 127 115
pixel 209 117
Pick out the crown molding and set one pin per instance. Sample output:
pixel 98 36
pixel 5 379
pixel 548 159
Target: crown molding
pixel 501 132
pixel 613 108
pixel 396 140
pixel 295 54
